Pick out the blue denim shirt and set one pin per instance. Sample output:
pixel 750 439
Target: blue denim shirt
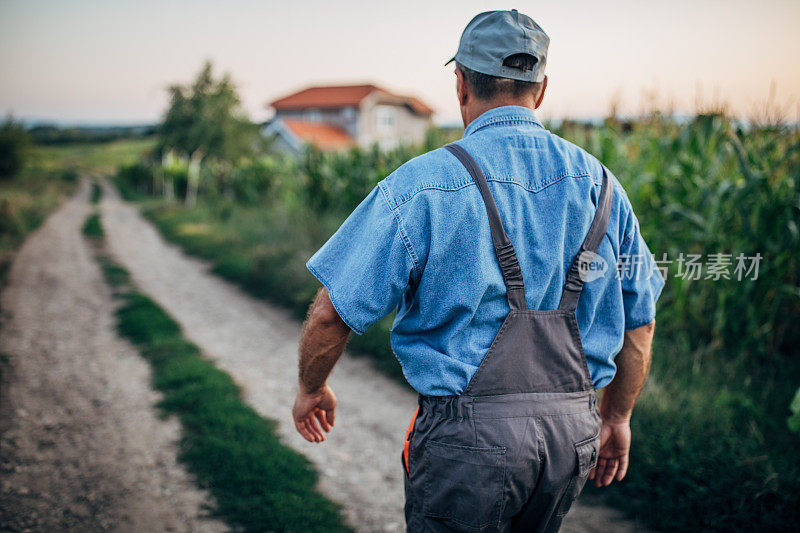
pixel 420 242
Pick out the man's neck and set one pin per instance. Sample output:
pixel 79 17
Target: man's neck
pixel 480 107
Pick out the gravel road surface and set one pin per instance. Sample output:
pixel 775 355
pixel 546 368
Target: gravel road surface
pixel 81 445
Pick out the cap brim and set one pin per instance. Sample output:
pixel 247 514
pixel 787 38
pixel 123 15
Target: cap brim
pixel 451 60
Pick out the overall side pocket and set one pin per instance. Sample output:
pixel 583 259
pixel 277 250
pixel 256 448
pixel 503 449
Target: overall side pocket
pixel 464 486
pixel 586 456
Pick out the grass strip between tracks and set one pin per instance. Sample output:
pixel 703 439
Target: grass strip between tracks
pixel 259 484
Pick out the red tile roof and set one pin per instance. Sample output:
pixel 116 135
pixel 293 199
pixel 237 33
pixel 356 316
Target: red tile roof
pixel 420 107
pixel 324 136
pixel 333 96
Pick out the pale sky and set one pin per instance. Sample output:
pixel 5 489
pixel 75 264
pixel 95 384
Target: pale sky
pixel 111 61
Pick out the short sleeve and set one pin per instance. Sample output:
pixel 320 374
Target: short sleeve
pixel 641 279
pixel 366 265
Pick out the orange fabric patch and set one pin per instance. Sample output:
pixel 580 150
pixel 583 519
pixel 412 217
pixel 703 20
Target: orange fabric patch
pixel 407 443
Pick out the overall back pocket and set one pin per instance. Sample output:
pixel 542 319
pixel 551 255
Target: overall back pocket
pixel 464 486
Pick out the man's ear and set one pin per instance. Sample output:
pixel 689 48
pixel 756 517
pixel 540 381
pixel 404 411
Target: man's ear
pixel 541 94
pixel 461 88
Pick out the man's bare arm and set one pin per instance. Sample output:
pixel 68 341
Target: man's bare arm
pixel 322 343
pixel 616 405
pixel 633 365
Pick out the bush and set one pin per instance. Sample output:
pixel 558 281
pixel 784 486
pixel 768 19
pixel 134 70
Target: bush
pixel 14 144
pixel 255 180
pixel 177 177
pixel 135 179
pixel 68 175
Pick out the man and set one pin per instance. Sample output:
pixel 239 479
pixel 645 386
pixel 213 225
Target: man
pixel 499 253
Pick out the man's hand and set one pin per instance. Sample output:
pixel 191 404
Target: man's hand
pixel 312 410
pixel 612 460
pixel 616 405
pixel 321 344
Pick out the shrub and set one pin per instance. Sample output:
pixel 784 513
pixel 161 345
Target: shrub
pixel 135 179
pixel 14 144
pixel 68 175
pixel 255 180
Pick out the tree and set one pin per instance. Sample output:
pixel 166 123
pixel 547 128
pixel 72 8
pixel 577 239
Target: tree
pixel 205 123
pixel 14 142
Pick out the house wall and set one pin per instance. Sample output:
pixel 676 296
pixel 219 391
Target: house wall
pixel 344 117
pixel 279 144
pixel 367 124
pixel 407 128
pixel 282 140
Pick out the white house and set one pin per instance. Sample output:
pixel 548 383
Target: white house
pixel 338 117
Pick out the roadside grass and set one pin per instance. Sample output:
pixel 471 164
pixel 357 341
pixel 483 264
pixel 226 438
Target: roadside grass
pixel 710 449
pixel 97 158
pixel 258 483
pixel 25 201
pixel 50 175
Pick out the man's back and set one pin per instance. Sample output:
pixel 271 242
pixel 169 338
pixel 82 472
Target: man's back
pixel 507 319
pixel 424 246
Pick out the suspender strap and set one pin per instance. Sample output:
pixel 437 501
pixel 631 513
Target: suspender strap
pixel 503 249
pixel 574 284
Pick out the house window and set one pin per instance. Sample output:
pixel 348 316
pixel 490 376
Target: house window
pixel 312 115
pixel 349 113
pixel 385 119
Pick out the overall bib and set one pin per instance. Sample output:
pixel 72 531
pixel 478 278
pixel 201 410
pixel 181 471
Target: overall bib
pixel 514 450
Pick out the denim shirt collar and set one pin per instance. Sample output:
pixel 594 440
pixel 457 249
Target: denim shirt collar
pixel 509 114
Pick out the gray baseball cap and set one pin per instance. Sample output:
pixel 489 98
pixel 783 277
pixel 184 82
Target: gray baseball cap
pixel 491 37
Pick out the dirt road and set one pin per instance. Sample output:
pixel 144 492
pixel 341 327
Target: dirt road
pixel 257 345
pixel 82 447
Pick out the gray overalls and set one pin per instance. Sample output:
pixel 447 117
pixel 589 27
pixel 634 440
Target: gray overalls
pixel 514 450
